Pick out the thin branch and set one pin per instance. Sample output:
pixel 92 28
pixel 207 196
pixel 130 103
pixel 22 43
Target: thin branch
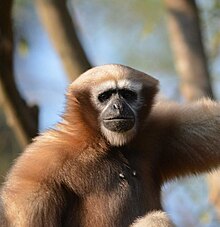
pixel 186 41
pixel 56 18
pixel 23 119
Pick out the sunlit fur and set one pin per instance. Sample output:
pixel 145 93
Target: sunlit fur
pixel 116 138
pixel 154 219
pixel 75 175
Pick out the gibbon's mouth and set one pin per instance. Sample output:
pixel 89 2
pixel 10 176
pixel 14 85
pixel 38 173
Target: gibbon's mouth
pixel 119 124
pixel 118 118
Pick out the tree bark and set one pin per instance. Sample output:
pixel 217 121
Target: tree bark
pixel 23 119
pixel 191 65
pixel 55 16
pixel 188 49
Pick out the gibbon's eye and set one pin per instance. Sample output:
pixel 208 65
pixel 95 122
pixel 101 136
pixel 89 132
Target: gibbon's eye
pixel 105 95
pixel 128 94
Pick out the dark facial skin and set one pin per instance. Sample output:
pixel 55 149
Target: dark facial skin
pixel 118 115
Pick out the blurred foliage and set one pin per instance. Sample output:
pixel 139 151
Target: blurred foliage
pixel 123 15
pixel 210 15
pixel 205 217
pixel 23 46
pixel 134 29
pixel 22 2
pixel 215 40
pixel 20 8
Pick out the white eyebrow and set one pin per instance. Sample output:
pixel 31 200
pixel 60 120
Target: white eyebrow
pixel 111 84
pixel 108 85
pixel 131 85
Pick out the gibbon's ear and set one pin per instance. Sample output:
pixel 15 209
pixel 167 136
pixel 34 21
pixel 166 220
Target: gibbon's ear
pixel 80 109
pixel 150 87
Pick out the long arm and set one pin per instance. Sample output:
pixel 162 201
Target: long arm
pixel 32 195
pixel 189 137
pixel 30 205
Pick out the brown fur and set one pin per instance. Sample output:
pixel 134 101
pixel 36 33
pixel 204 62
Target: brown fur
pixel 71 176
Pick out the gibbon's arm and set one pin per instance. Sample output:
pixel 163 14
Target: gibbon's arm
pixel 31 195
pixel 189 137
pixel 29 206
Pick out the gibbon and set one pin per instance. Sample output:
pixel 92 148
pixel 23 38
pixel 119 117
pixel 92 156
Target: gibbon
pixel 104 164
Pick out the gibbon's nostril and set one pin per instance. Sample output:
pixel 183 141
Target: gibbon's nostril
pixel 115 106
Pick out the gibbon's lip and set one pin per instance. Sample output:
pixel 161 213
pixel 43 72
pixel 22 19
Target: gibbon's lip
pixel 119 124
pixel 119 118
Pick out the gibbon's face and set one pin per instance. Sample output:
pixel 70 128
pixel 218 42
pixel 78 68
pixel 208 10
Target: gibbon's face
pixel 121 96
pixel 118 103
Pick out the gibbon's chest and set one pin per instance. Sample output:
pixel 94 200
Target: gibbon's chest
pixel 114 190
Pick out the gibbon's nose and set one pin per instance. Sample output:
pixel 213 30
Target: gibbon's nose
pixel 120 109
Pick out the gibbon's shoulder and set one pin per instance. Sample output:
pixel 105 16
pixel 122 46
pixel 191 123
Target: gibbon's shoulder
pixel 44 158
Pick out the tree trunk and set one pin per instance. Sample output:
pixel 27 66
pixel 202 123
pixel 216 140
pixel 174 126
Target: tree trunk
pixel 58 22
pixel 186 40
pixel 191 64
pixel 21 118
